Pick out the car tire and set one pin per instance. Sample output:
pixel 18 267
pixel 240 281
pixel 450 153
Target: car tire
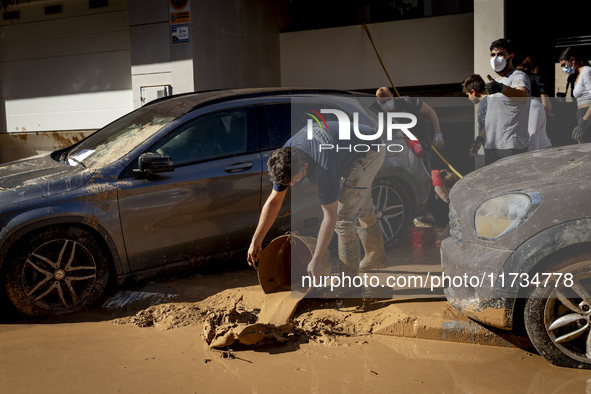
pixel 558 319
pixel 56 271
pixel 393 209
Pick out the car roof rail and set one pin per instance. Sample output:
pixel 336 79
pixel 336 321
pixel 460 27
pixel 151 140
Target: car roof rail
pixel 253 92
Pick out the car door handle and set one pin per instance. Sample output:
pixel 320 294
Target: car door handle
pixel 238 167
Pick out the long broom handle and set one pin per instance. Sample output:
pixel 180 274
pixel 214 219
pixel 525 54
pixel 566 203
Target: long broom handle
pixel 398 94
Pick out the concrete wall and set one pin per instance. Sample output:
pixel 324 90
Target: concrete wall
pixel 236 42
pixel 65 75
pixel 417 52
pixel 67 72
pixel 14 146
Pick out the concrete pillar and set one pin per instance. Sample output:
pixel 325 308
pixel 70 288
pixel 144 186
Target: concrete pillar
pixel 236 43
pixel 155 60
pixel 489 25
pixel 3 130
pixel 2 111
pixel 232 44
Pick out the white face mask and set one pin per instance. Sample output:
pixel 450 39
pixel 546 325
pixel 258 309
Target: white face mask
pixel 388 105
pixel 474 99
pixel 498 63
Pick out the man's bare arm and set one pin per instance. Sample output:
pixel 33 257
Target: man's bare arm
pixel 587 115
pixel 430 112
pixel 442 193
pixel 324 236
pixel 547 104
pixel 268 216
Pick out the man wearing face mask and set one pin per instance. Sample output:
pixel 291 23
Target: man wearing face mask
pixel 507 117
pixel 414 106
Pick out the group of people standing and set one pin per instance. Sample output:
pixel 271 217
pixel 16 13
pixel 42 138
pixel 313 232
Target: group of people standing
pixel 514 107
pixel 510 121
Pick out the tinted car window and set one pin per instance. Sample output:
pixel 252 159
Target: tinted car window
pixel 223 133
pixel 278 118
pixel 285 119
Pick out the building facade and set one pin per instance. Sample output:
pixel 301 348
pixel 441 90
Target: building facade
pixel 69 67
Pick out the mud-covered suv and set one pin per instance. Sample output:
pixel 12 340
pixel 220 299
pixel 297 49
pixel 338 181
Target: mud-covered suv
pixel 518 251
pixel 166 188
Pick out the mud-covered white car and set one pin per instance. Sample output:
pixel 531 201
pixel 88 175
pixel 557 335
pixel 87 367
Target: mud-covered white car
pixel 518 252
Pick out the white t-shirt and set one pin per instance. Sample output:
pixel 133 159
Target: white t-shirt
pixel 582 90
pixel 506 121
pixel 538 139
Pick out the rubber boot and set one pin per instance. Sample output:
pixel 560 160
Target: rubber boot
pixel 373 244
pixel 349 255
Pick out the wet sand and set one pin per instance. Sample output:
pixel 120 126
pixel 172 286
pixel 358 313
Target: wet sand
pixel 148 340
pixel 108 358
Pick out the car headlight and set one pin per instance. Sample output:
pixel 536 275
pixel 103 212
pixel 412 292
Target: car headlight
pixel 500 215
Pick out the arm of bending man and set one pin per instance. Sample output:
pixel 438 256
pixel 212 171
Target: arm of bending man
pixel 327 227
pixel 268 216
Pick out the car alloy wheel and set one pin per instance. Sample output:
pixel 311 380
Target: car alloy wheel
pixel 393 210
pixel 53 276
pixel 557 316
pixel 59 270
pixel 567 319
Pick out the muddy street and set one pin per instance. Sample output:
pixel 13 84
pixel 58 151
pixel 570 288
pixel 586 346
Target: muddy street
pixel 149 338
pixel 100 357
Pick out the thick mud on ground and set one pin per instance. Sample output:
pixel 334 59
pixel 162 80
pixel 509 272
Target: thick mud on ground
pixel 151 342
pixel 217 299
pixel 151 339
pixel 223 301
pixel 324 321
pixel 100 357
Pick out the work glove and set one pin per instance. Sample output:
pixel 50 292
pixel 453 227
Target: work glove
pixel 438 142
pixel 580 130
pixel 494 87
pixel 476 146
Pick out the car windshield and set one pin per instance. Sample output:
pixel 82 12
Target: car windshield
pixel 120 137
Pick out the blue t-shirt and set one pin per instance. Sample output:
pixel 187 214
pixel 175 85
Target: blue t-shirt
pixel 326 167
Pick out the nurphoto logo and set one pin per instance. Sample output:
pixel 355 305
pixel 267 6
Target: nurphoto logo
pixel 320 131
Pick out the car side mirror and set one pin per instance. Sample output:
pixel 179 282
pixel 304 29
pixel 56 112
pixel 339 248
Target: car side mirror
pixel 153 163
